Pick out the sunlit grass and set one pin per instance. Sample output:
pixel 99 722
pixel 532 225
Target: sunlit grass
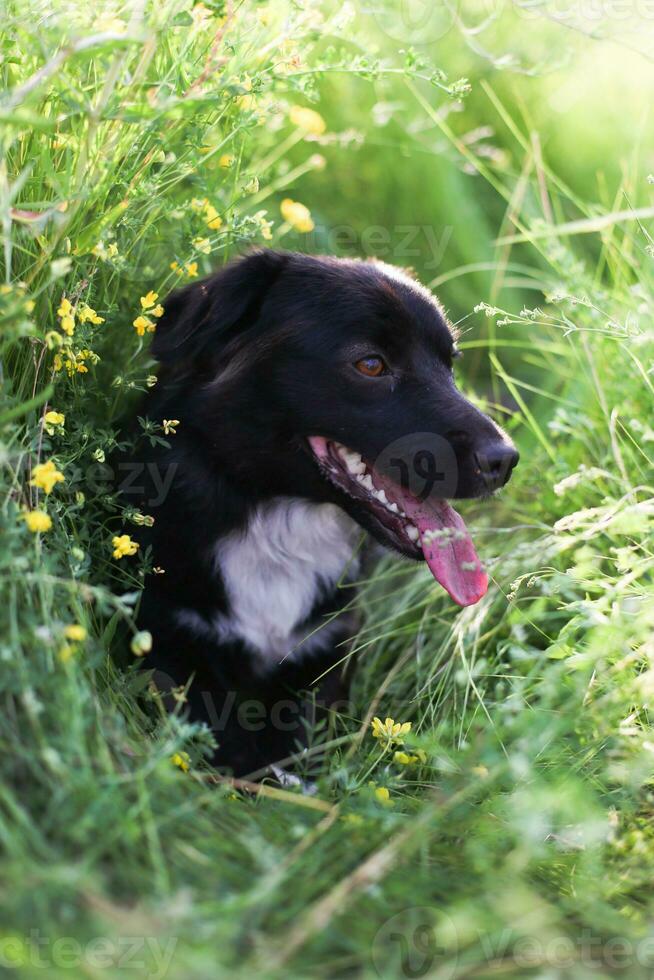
pixel 528 816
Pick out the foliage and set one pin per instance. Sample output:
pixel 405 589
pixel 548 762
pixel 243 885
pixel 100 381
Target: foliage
pixel 508 831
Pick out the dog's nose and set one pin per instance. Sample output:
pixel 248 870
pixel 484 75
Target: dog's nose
pixel 495 463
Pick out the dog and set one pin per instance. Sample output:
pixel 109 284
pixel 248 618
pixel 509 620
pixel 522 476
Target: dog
pixel 315 400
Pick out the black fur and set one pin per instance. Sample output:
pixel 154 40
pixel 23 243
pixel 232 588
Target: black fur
pixel 255 359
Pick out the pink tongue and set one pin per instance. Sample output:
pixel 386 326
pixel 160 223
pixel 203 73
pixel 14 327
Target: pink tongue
pixel 447 547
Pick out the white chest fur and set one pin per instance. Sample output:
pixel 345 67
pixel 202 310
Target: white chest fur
pixel 291 554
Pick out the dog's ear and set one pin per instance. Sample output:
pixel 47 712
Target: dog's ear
pixel 212 310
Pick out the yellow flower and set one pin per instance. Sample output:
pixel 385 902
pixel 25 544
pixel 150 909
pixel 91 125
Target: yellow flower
pixel 389 730
pixel 68 325
pixel 65 307
pixel 149 300
pixel 191 269
pixel 297 215
pixel 51 420
pixel 157 310
pixel 29 305
pixel 170 426
pixel 104 253
pixel 123 545
pixel 175 266
pixel 307 119
pixel 182 760
pixel 37 521
pixel 265 226
pixel 382 794
pixel 143 325
pixel 75 632
pixel 404 759
pixel 199 204
pixel 213 219
pixel 45 475
pixel 141 643
pixel 202 245
pixel 226 160
pixel 66 652
pixel 87 314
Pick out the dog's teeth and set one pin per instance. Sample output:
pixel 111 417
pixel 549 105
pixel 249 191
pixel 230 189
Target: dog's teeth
pixel 413 533
pixel 394 508
pixel 381 496
pixel 366 482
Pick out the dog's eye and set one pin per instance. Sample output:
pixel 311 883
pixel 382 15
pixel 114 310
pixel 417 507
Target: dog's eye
pixel 372 367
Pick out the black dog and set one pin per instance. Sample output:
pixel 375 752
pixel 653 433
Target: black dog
pixel 315 397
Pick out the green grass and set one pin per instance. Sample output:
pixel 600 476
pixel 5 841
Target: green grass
pixel 520 842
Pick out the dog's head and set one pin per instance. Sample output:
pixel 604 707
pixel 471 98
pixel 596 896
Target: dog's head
pixel 332 379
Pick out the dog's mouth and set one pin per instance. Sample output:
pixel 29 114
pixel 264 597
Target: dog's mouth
pixel 429 529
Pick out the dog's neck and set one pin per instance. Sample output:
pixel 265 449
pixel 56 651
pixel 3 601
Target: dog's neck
pixel 277 572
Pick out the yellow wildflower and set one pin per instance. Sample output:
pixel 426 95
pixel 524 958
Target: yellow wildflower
pixel 29 305
pixel 202 245
pixel 157 310
pixel 68 325
pixel 87 314
pixel 265 226
pixel 226 160
pixel 65 307
pixel 144 324
pixel 308 120
pixel 52 420
pixel 297 215
pixel 213 219
pixel 382 794
pixel 123 545
pixel 199 204
pixel 45 475
pixel 176 267
pixel 191 269
pixel 404 759
pixel 105 252
pixel 141 643
pixel 37 521
pixel 170 426
pixel 75 632
pixel 389 730
pixel 149 300
pixel 66 652
pixel 182 760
